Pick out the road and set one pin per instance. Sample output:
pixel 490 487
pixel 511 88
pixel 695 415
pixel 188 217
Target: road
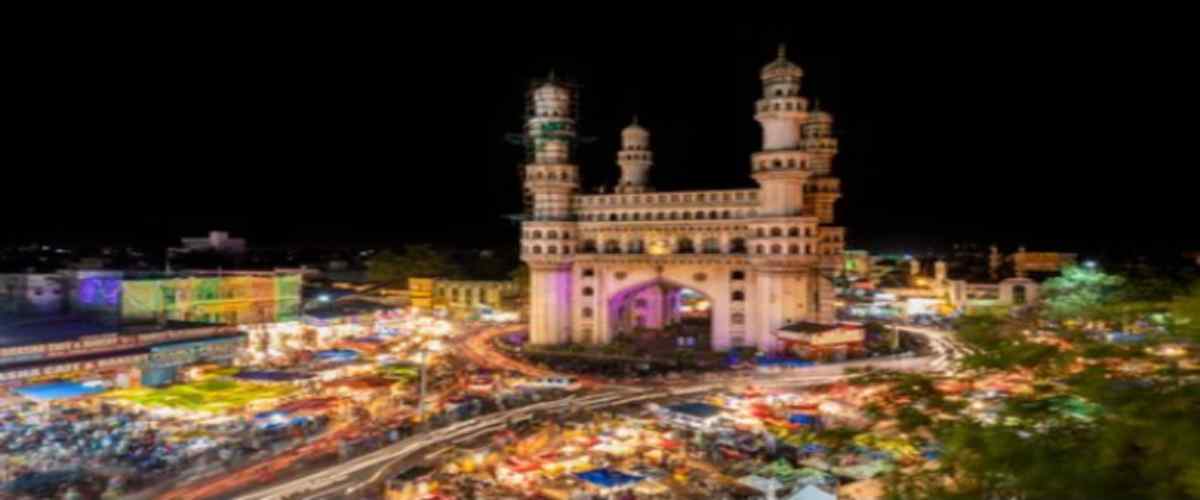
pixel 344 480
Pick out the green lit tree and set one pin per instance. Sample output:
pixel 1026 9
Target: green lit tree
pixel 1081 293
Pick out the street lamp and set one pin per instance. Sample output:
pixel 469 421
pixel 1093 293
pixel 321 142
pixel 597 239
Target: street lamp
pixel 421 400
pixel 1091 264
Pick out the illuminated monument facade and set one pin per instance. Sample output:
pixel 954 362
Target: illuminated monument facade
pixel 606 264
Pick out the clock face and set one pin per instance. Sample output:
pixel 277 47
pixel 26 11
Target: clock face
pixel 659 247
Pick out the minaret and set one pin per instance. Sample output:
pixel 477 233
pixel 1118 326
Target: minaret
pixel 819 141
pixel 635 158
pixel 785 242
pixel 551 131
pixel 548 234
pixel 782 167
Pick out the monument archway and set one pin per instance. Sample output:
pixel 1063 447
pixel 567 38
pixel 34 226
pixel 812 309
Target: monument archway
pixel 660 314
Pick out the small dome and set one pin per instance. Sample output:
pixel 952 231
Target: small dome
pixel 781 68
pixel 551 91
pixel 819 116
pixel 635 130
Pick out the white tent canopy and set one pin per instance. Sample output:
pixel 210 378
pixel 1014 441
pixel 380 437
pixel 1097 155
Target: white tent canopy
pixel 811 492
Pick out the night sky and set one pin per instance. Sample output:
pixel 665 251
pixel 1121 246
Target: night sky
pixel 1052 141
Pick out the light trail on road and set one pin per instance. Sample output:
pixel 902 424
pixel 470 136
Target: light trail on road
pixel 478 347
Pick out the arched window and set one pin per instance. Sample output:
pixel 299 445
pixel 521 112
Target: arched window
pixel 738 319
pixel 794 249
pixel 726 215
pixel 713 215
pixel 454 295
pixel 739 296
pixel 537 249
pixel 587 312
pixel 794 231
pixel 699 215
pixel 687 216
pixel 552 249
pixel 777 163
pixel 537 235
pixel 662 216
pixel 737 275
pixel 612 246
pixel 808 232
pixel 759 250
pixel 566 250
pixel 685 245
pixel 760 232
pixel 647 216
pixel 674 215
pixel 589 246
pixel 738 245
pixel 612 217
pixel 776 232
pixel 566 235
pixel 1020 295
pixel 711 245
pixel 637 216
pixel 588 292
pixel 552 234
pixel 636 246
pixel 624 216
pixel 776 249
pixel 808 249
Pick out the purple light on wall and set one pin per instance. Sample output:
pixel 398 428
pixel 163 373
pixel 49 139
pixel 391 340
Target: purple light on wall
pixel 100 292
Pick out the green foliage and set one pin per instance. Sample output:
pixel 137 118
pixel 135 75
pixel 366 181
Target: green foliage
pixel 413 261
pixel 1185 314
pixel 1080 293
pixel 520 276
pixel 1083 433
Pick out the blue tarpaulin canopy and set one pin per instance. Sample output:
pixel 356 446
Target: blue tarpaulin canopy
pixel 802 419
pixel 814 448
pixel 608 478
pixel 272 376
pixel 58 390
pixel 339 355
pixel 698 410
pixel 787 362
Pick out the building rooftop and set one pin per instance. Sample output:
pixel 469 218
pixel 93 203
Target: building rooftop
pixel 20 331
pixel 807 327
pixel 73 359
pixel 350 307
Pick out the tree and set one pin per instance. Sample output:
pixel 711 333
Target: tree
pixel 1088 429
pixel 1080 293
pixel 520 277
pixel 520 293
pixel 413 261
pixel 1185 314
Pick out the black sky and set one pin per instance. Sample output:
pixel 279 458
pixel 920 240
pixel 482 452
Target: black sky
pixel 1050 139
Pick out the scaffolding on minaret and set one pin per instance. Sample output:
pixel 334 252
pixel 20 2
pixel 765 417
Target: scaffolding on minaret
pixel 526 140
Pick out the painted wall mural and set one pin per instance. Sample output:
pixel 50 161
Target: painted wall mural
pixel 225 300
